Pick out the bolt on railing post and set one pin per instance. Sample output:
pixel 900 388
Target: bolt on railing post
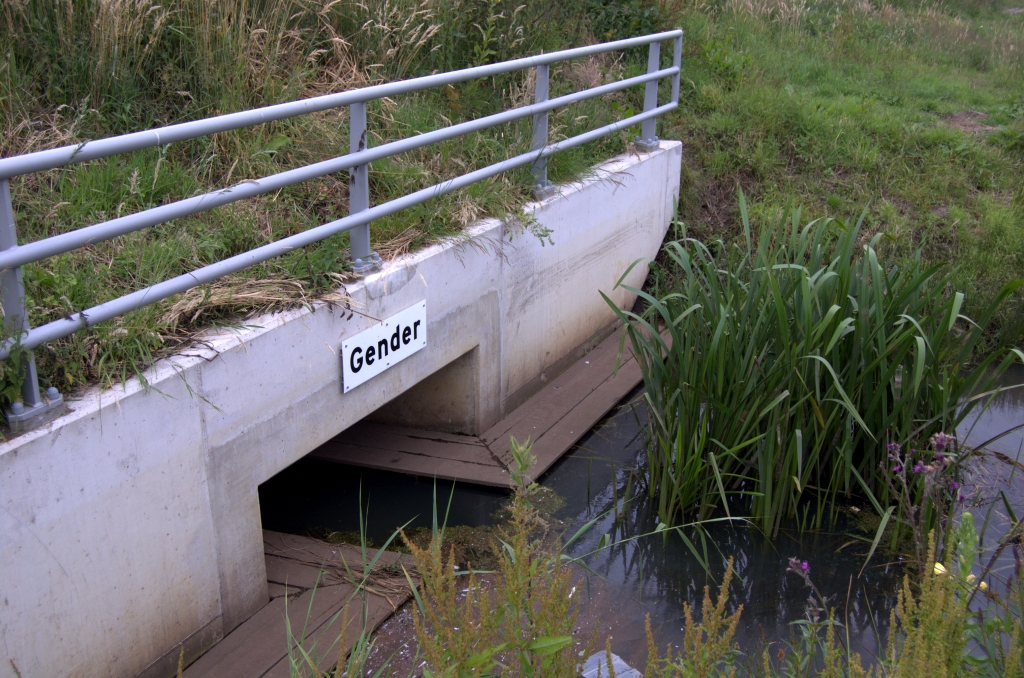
pixel 648 139
pixel 363 259
pixel 542 188
pixel 677 63
pixel 33 409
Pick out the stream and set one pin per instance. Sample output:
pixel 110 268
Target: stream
pixel 656 575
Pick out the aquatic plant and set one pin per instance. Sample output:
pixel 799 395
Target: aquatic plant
pixel 519 619
pixel 925 483
pixel 777 369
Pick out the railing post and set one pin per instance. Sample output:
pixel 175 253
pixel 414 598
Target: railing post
pixel 363 259
pixel 32 410
pixel 542 188
pixel 677 62
pixel 648 139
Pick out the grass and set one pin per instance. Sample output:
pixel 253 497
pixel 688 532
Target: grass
pixel 837 105
pixel 845 104
pixel 84 69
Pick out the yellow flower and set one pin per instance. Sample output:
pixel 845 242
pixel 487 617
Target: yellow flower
pixel 983 586
pixel 940 569
pixel 970 579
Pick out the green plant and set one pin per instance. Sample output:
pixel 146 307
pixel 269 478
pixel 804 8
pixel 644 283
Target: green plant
pixel 724 59
pixel 930 640
pixel 620 19
pixel 518 622
pixel 778 369
pixel 926 486
pixel 708 647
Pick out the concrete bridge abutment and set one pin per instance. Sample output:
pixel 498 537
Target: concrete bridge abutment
pixel 130 527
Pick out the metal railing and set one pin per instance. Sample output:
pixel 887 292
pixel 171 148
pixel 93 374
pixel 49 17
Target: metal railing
pixel 34 409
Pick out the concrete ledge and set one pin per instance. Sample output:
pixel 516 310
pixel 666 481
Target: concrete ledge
pixel 130 526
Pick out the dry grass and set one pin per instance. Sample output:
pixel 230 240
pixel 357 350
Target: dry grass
pixel 233 297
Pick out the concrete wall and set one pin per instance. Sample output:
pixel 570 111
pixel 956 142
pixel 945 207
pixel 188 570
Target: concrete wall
pixel 130 527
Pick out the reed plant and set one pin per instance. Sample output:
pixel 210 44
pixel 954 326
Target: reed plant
pixel 778 370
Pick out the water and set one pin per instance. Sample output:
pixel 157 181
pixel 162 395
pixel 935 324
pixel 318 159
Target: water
pixel 995 482
pixel 656 575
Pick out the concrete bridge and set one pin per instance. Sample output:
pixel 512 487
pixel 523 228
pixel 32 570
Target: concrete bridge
pixel 130 527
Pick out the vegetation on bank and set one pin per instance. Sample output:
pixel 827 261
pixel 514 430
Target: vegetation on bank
pixel 836 104
pixel 791 367
pixel 912 109
pixel 86 69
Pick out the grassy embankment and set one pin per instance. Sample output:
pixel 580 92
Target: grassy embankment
pixel 914 109
pixel 837 105
pixel 86 69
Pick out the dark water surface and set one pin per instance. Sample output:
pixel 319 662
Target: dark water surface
pixel 997 474
pixel 655 575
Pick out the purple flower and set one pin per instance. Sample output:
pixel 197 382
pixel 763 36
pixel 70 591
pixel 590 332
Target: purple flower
pixel 941 441
pixel 894 448
pixel 897 468
pixel 800 567
pixel 939 456
pixel 962 497
pixel 954 485
pixel 918 467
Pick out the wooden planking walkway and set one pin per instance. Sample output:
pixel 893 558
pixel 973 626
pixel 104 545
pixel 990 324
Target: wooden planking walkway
pixel 309 580
pixel 422 453
pixel 553 419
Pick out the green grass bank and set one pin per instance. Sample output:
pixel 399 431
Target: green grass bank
pixel 85 69
pixel 915 110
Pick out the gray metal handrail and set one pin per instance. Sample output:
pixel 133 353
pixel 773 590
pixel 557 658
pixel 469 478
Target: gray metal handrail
pixel 34 409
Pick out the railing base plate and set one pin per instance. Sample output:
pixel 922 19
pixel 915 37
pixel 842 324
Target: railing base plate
pixel 647 145
pixel 34 417
pixel 543 191
pixel 368 264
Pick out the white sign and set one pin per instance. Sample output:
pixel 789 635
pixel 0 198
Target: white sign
pixel 390 341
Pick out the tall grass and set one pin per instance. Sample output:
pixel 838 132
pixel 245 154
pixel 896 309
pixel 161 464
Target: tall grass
pixel 76 70
pixel 779 370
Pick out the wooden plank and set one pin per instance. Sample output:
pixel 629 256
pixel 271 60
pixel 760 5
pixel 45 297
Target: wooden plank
pixel 382 440
pixel 417 433
pixel 535 417
pixel 321 553
pixel 561 437
pixel 278 590
pixel 258 647
pixel 432 467
pixel 322 643
pixel 232 645
pixel 260 643
pixel 585 374
pixel 303 549
pixel 294 574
